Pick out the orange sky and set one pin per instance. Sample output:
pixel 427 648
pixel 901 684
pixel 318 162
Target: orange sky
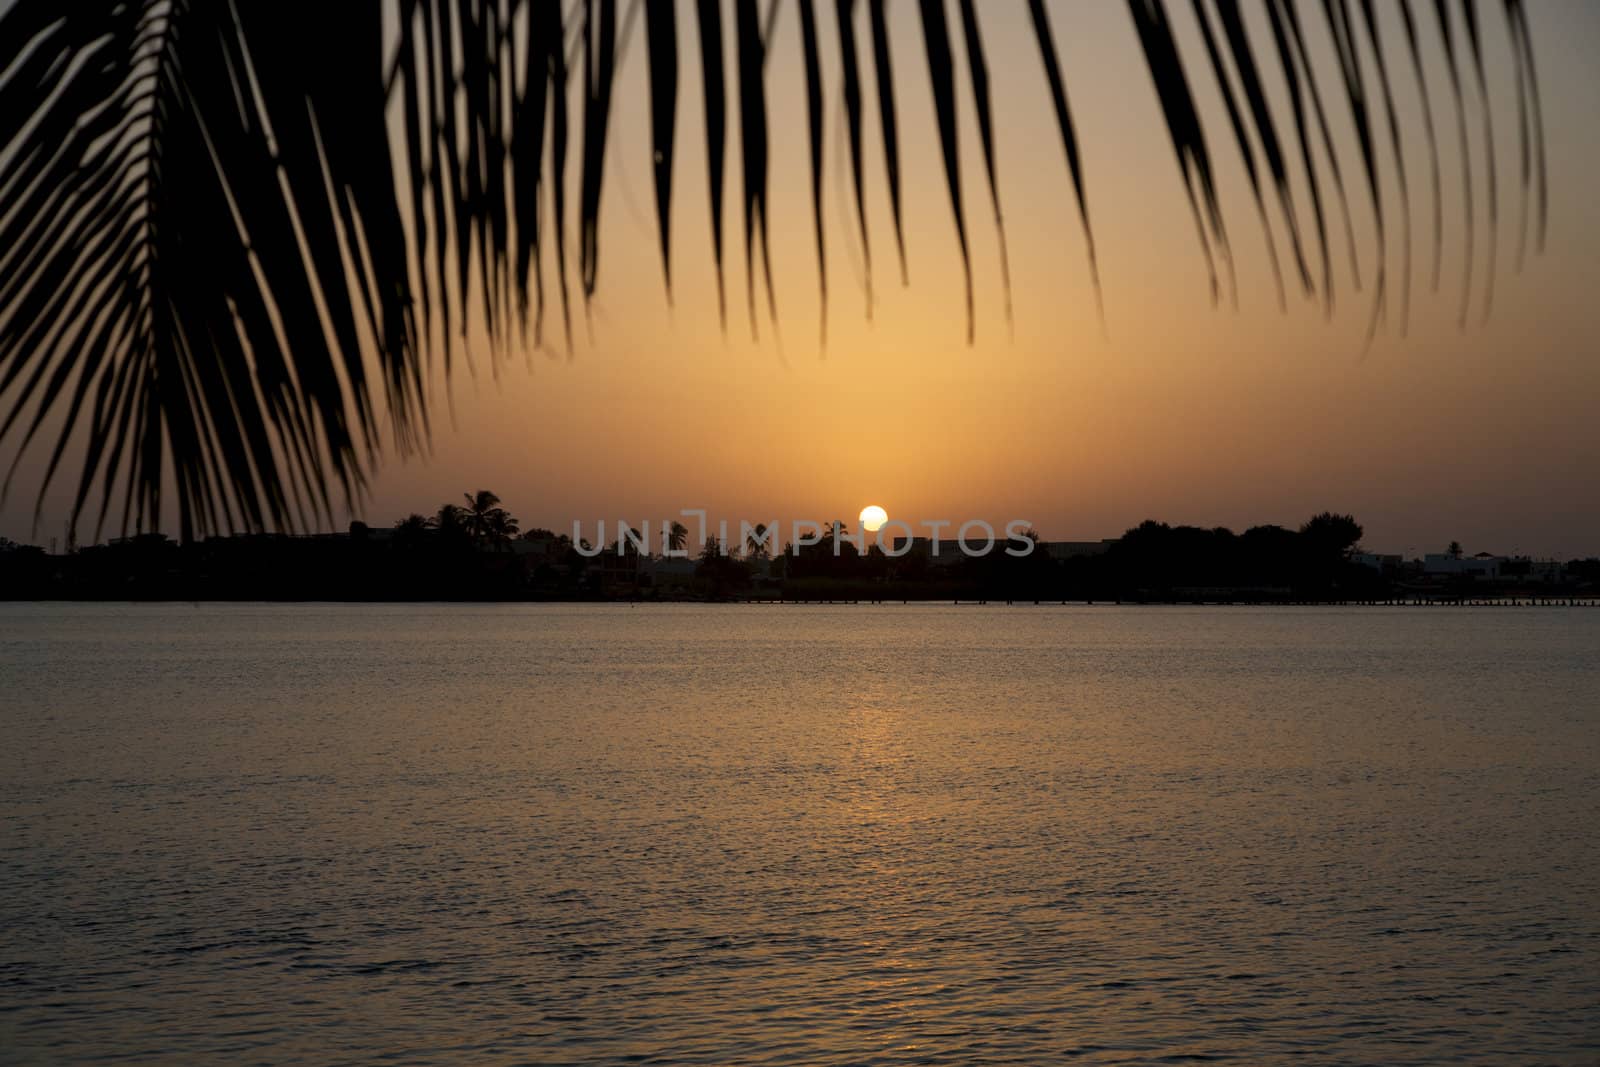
pixel 1174 410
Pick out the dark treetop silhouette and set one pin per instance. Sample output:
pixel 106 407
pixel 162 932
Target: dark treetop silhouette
pixel 476 553
pixel 204 210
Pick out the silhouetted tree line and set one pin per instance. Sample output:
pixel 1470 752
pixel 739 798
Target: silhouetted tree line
pixel 1157 561
pixel 1150 562
pixel 461 552
pixel 477 551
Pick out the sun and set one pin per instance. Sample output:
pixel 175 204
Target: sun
pixel 873 517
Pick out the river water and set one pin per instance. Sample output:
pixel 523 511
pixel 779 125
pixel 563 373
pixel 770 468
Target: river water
pixel 782 834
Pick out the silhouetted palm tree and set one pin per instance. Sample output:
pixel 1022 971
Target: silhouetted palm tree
pixel 214 211
pixel 501 528
pixel 476 514
pixel 677 536
pixel 412 530
pixel 451 522
pixel 486 521
pixel 756 546
pixel 630 538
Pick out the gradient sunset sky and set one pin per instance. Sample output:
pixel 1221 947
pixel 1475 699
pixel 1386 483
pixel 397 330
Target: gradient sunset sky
pixel 1173 409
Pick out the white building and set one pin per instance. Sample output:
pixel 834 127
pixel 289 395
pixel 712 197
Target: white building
pixel 1485 566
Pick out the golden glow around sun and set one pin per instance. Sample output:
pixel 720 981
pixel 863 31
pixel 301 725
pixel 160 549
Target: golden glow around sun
pixel 873 517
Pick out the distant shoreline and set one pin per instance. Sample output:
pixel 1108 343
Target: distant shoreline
pixel 1508 601
pixel 446 562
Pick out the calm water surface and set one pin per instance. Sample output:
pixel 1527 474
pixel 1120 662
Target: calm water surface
pixel 698 834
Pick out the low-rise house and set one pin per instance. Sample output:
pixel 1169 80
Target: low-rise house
pixel 1485 566
pixel 1383 564
pixel 1538 571
pixel 670 574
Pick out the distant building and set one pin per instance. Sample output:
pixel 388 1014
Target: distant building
pixel 621 574
pixel 1484 566
pixel 1383 564
pixel 670 573
pixel 1551 571
pixel 1541 571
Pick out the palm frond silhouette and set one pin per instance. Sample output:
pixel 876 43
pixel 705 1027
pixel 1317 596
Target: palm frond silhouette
pixel 235 233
